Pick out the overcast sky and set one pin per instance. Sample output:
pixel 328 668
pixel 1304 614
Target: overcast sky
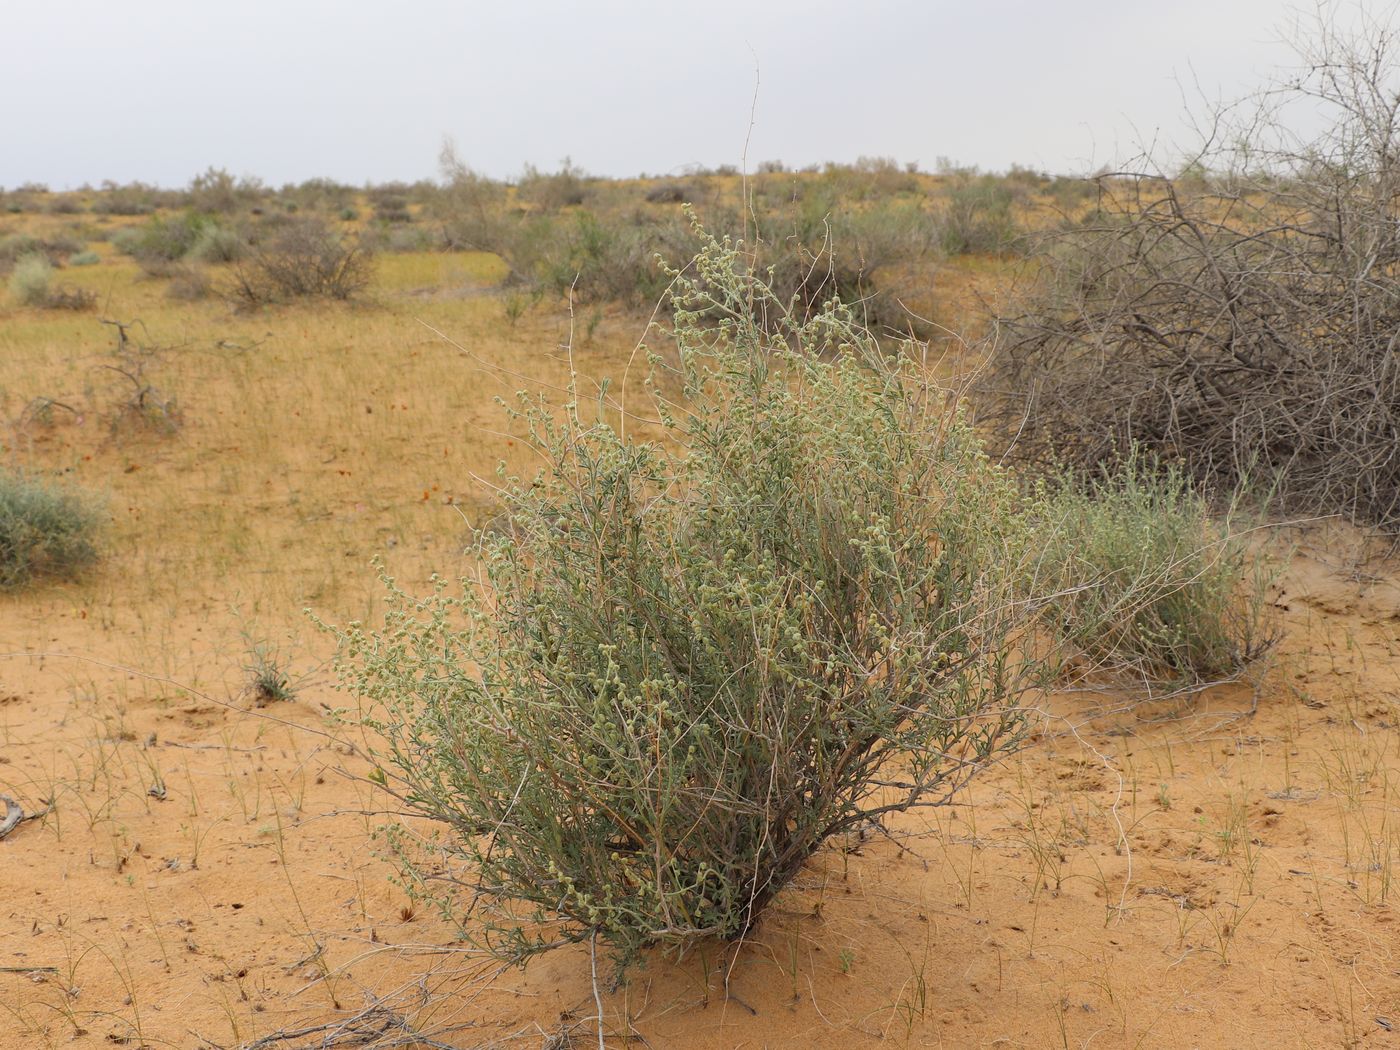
pixel 158 90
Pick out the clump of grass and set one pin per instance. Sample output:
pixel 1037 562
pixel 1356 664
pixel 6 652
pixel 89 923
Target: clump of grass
pixel 268 679
pixel 699 658
pixel 45 531
pixel 87 258
pixel 1147 583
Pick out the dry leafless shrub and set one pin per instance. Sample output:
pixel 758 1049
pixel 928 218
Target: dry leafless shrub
pixel 304 259
pixel 137 403
pixel 1244 323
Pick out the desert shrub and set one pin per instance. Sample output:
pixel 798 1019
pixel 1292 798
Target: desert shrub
pixel 696 659
pixel 669 193
pixel 409 240
pixel 553 191
pixel 69 297
pixel 595 258
pixel 978 216
pixel 16 246
pixel 189 284
pixel 304 259
pixel 399 239
pixel 320 194
pixel 166 239
pixel 870 178
pixel 62 245
pixel 392 210
pixel 469 208
pixel 55 249
pixel 217 244
pixel 1242 325
pixel 1147 582
pixel 136 403
pixel 31 284
pixel 815 247
pixel 1070 193
pixel 216 191
pixel 31 280
pixel 132 199
pixel 127 240
pixel 86 258
pixel 45 531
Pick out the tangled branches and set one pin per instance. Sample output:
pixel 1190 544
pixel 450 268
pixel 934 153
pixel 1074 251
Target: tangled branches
pixel 1245 324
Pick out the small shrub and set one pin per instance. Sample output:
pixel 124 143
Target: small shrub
pixel 137 402
pixel 217 244
pixel 1146 583
pixel 169 238
pixel 67 297
pixel 134 199
pixel 55 249
pixel 392 210
pixel 88 258
pixel 15 246
pixel 400 239
pixel 304 259
pixel 127 240
pixel 553 191
pixel 870 178
pixel 218 191
pixel 978 217
pixel 60 247
pixel 31 279
pixel 668 193
pixel 699 659
pixel 31 284
pixel 45 531
pixel 189 284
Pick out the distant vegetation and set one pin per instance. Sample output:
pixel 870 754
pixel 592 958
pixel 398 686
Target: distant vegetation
pixel 871 233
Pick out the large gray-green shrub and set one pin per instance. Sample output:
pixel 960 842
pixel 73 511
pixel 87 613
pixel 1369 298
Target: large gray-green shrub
pixel 691 661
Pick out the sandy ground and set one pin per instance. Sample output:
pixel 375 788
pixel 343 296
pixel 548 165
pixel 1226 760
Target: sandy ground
pixel 1188 873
